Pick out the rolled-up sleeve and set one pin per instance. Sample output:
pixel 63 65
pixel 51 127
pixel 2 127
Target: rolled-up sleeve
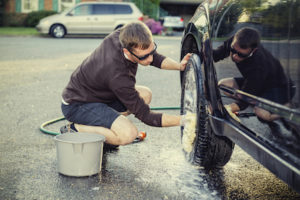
pixel 157 60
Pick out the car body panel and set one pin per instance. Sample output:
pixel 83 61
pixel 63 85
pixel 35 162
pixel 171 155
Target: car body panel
pixel 276 21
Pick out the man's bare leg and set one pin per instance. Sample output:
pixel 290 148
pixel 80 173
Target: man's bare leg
pixel 266 115
pixel 122 131
pixel 233 107
pixel 229 82
pixel 145 93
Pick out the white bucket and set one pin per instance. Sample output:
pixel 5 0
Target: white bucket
pixel 79 154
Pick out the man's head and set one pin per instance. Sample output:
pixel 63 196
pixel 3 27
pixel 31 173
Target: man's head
pixel 244 44
pixel 137 42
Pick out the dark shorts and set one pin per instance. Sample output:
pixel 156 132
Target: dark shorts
pixel 278 95
pixel 94 114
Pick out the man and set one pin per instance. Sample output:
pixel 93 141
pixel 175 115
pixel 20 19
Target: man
pixel 263 74
pixel 104 85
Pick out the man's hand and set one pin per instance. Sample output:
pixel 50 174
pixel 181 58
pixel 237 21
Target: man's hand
pixel 170 64
pixel 184 61
pixel 188 118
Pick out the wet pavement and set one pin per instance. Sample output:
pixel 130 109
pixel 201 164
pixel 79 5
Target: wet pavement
pixel 34 71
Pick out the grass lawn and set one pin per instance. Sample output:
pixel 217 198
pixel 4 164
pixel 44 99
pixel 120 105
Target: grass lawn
pixel 18 31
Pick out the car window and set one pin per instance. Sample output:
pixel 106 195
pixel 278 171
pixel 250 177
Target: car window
pixel 107 9
pixel 81 10
pixel 123 9
pixel 103 9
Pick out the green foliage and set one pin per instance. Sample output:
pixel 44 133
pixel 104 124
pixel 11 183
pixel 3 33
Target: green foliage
pixel 148 7
pixel 230 15
pixel 282 17
pixel 13 19
pixel 2 8
pixel 273 19
pixel 2 3
pixel 33 18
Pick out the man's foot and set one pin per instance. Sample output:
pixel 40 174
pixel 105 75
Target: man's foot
pixel 69 128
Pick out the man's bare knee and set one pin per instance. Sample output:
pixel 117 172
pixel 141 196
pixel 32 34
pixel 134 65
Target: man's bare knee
pixel 264 114
pixel 145 93
pixel 129 135
pixel 230 82
pixel 126 132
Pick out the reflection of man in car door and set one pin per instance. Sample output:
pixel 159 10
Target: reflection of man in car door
pixel 262 74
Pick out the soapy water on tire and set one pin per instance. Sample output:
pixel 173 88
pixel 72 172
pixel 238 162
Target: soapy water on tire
pixel 189 132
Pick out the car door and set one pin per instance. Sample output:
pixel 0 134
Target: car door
pixel 78 20
pixel 277 24
pixel 102 19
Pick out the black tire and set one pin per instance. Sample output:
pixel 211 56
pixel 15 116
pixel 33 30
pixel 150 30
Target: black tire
pixel 208 150
pixel 58 31
pixel 119 26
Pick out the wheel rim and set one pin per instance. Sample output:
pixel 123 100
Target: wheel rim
pixel 189 105
pixel 59 31
pixel 190 92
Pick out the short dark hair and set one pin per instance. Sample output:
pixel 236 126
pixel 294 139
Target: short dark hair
pixel 135 35
pixel 247 38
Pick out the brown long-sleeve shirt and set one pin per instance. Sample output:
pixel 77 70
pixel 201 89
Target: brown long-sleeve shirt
pixel 106 75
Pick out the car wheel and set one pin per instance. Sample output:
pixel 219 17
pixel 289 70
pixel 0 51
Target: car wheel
pixel 119 26
pixel 200 144
pixel 58 31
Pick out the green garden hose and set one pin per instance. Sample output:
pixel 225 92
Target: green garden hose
pixel 44 130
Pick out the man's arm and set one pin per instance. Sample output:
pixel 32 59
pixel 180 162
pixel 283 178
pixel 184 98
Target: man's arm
pixel 170 120
pixel 170 64
pixel 222 51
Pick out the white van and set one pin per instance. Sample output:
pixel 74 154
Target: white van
pixel 90 18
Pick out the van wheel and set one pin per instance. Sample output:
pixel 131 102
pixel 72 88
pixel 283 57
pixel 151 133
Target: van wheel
pixel 58 31
pixel 204 147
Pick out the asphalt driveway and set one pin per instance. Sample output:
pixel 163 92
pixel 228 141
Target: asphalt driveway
pixel 34 70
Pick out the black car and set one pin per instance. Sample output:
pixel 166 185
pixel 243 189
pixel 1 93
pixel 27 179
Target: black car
pixel 216 130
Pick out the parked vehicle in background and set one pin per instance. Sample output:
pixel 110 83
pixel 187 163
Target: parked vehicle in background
pixel 175 23
pixel 216 131
pixel 90 18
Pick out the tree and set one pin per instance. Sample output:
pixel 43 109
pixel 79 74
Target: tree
pixel 148 7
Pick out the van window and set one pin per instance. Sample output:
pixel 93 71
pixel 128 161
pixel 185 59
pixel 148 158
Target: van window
pixel 81 10
pixel 106 9
pixel 123 9
pixel 110 9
